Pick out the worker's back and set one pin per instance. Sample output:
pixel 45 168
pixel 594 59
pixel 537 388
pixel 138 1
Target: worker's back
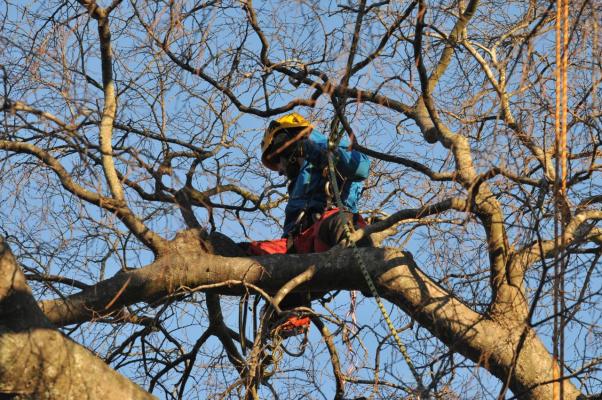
pixel 307 191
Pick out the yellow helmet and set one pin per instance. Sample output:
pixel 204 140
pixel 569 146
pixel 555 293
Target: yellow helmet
pixel 288 121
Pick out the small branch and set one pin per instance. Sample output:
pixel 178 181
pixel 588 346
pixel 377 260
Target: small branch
pixel 576 231
pixel 58 279
pixel 305 276
pixel 334 356
pixel 153 241
pixel 435 176
pixel 357 67
pixel 218 326
pixel 449 204
pixel 500 88
pixel 185 65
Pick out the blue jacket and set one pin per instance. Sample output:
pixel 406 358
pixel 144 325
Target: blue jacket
pixel 307 191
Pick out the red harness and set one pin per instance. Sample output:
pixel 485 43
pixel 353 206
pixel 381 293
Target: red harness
pixel 308 241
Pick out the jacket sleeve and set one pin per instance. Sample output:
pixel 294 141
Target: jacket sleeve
pixel 352 164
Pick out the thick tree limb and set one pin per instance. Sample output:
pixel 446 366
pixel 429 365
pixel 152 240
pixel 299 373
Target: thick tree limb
pixel 508 297
pixel 37 361
pixel 489 342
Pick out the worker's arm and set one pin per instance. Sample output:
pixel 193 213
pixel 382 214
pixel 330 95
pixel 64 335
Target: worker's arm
pixel 351 163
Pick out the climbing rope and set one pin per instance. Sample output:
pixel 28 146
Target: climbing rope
pixel 358 258
pixel 560 128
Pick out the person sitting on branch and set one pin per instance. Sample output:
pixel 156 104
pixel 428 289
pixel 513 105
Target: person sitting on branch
pixel 293 148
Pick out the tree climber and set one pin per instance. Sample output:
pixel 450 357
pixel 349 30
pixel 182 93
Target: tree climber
pixel 292 147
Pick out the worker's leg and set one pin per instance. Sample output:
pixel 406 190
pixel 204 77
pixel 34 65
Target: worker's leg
pixel 332 230
pixel 293 324
pixel 264 247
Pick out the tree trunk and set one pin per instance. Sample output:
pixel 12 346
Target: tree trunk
pixel 39 362
pixel 43 364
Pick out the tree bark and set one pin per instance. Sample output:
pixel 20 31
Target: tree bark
pixel 37 361
pixel 488 341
